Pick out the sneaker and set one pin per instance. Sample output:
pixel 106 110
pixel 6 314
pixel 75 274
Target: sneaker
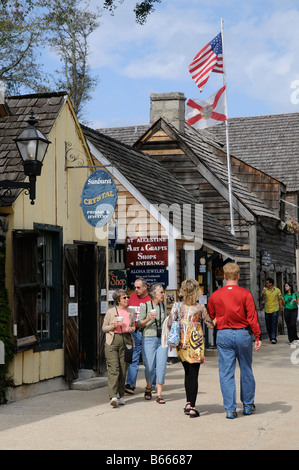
pixel 249 410
pixel 129 389
pixel 114 402
pixel 121 401
pixel 273 341
pixel 231 415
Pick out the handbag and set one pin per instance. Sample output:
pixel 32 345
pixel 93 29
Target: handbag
pixel 128 353
pixel 174 334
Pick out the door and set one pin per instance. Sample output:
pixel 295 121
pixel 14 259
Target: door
pixel 87 306
pixel 84 283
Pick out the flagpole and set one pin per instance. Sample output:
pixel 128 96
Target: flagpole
pixel 227 142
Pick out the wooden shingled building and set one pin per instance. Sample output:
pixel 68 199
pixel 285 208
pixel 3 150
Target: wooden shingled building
pixel 199 162
pixel 144 184
pixel 47 251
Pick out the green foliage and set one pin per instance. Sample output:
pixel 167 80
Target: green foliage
pixel 69 25
pixel 28 27
pixel 20 37
pixel 142 9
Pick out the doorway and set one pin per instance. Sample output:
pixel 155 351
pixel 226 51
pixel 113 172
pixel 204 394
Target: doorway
pixel 80 297
pixel 87 302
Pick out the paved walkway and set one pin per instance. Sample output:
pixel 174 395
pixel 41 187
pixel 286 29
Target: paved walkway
pixel 84 420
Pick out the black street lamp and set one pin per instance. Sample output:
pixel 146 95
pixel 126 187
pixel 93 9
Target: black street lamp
pixel 32 146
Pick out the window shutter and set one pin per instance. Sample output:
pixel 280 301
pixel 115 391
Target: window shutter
pixel 25 287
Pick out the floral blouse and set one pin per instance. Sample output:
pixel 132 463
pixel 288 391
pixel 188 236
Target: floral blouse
pixel 191 346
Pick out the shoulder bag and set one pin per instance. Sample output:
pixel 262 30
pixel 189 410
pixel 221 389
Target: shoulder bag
pixel 174 334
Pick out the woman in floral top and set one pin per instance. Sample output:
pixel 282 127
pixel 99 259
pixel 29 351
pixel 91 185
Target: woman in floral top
pixel 191 346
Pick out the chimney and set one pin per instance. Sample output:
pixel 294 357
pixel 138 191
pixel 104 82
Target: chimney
pixel 171 107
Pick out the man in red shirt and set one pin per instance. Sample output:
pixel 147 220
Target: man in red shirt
pixel 140 296
pixel 234 309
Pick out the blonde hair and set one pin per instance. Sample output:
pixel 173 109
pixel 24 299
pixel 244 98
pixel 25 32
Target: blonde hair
pixel 231 271
pixel 190 291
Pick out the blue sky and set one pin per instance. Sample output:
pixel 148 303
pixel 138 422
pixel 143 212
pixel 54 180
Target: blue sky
pixel 261 42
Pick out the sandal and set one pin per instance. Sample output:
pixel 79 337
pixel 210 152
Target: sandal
pixel 187 408
pixel 160 400
pixel 193 413
pixel 148 393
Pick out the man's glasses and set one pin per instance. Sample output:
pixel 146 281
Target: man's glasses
pixel 125 297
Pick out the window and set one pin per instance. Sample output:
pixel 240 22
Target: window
pixel 45 280
pixel 49 278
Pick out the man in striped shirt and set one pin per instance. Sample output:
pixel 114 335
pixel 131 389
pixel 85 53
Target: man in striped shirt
pixel 272 297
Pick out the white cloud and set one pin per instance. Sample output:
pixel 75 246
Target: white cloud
pixel 262 57
pixel 261 44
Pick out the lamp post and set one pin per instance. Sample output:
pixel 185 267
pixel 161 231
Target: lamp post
pixel 32 146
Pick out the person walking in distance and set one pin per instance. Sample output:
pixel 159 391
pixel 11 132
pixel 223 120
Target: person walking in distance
pixel 234 309
pixel 290 312
pixel 140 296
pixel 272 297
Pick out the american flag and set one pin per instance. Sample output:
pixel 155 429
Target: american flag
pixel 208 60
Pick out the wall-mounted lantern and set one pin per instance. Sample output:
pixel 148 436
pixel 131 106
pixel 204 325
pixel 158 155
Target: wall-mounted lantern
pixel 32 146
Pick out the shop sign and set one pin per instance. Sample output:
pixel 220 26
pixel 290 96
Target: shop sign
pixel 266 257
pixel 117 279
pixel 99 197
pixel 147 251
pixel 151 275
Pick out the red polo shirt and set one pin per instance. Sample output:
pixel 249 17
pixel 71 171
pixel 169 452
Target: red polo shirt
pixel 135 302
pixel 233 307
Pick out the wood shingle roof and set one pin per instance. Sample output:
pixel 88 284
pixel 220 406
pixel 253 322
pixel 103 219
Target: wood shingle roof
pixel 156 184
pixel 268 142
pixel 201 143
pixel 128 134
pixel 202 146
pixel 45 107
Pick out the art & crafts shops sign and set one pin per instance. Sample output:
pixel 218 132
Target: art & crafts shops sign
pixel 99 198
pixel 147 251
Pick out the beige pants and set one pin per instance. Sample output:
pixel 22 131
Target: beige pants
pixel 117 367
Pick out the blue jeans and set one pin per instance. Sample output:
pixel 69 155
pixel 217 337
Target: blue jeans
pixel 232 345
pixel 271 324
pixel 134 366
pixel 154 356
